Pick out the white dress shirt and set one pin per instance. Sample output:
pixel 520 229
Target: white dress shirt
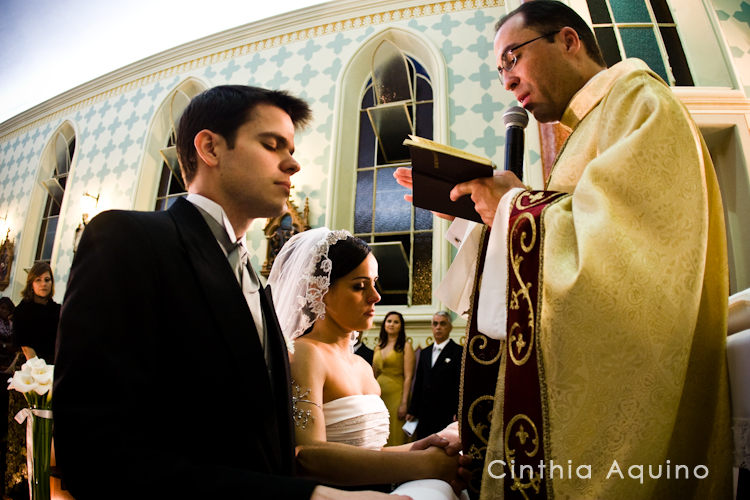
pixel 251 293
pixel 437 349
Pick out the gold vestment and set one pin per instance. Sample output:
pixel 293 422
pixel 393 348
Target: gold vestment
pixel 632 315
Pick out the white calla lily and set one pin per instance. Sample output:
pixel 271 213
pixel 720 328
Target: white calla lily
pixel 35 376
pixel 34 380
pixel 39 372
pixel 22 382
pixel 43 378
pixel 43 389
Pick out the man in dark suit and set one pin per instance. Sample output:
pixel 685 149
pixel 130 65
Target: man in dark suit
pixel 171 376
pixel 434 401
pixel 360 349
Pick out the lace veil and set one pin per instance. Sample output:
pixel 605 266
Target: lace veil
pixel 300 277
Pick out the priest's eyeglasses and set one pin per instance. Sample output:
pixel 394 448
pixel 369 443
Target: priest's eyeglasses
pixel 509 59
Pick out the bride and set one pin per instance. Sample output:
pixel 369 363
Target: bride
pixel 323 285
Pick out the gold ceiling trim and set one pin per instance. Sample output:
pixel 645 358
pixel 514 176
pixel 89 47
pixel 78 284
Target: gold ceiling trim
pixel 363 21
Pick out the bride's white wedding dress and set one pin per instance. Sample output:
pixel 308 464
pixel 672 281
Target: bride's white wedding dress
pixel 362 420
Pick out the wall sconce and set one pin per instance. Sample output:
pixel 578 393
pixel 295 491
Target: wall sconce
pixel 4 228
pixel 6 253
pixel 88 207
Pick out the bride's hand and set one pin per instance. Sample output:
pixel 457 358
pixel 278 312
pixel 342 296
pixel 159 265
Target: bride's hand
pixel 326 493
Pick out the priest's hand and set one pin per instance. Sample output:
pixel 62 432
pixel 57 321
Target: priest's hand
pixel 486 192
pixel 403 177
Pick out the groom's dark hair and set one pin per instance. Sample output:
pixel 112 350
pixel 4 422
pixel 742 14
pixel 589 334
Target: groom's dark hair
pixel 223 110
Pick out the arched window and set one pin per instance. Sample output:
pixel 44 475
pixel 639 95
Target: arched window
pixel 160 182
pixel 171 186
pixel 397 101
pixel 413 255
pixel 170 183
pixel 62 147
pixel 643 29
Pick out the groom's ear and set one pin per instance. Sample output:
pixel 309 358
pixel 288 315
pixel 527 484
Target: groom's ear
pixel 208 146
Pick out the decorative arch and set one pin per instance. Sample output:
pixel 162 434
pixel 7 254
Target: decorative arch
pixel 40 238
pixel 156 139
pixel 352 83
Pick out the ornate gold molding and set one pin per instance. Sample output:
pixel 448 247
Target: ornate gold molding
pixel 279 229
pixel 708 100
pixel 351 23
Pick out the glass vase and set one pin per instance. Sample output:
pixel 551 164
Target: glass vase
pixel 38 450
pixel 42 447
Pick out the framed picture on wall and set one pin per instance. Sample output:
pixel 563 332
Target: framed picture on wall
pixel 6 260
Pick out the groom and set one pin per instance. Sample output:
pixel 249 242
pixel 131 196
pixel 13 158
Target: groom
pixel 171 376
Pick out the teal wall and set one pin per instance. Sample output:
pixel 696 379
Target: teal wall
pixel 113 127
pixel 734 21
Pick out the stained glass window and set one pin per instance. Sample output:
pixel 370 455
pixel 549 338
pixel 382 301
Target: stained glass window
pixel 170 184
pixel 381 215
pixel 64 147
pixel 644 29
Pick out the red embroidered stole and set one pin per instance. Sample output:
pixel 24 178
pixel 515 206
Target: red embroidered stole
pixel 523 413
pixel 481 360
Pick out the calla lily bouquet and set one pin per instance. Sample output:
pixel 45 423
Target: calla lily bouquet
pixel 34 381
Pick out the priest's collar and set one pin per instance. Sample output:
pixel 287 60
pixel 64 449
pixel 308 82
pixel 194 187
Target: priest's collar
pixel 589 96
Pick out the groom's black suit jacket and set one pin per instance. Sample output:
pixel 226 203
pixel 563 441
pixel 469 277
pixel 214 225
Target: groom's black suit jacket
pixel 161 388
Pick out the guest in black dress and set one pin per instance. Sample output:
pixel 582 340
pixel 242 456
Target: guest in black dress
pixel 9 355
pixel 36 316
pixel 35 330
pixel 8 345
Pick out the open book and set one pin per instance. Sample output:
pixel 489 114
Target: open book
pixel 436 168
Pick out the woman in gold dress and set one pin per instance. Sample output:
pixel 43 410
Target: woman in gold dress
pixel 393 362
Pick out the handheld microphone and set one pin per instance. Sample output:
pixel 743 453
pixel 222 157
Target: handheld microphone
pixel 515 120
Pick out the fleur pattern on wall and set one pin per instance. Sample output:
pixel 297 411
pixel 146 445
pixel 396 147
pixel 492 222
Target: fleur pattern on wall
pixel 113 127
pixel 734 20
pixel 112 131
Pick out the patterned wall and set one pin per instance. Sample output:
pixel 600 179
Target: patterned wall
pixel 112 127
pixel 734 20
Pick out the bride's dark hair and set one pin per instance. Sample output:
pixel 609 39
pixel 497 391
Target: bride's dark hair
pixel 345 256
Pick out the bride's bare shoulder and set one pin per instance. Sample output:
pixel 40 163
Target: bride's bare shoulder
pixel 309 350
pixel 308 363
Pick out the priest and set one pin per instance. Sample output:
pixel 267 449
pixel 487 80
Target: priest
pixel 597 306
